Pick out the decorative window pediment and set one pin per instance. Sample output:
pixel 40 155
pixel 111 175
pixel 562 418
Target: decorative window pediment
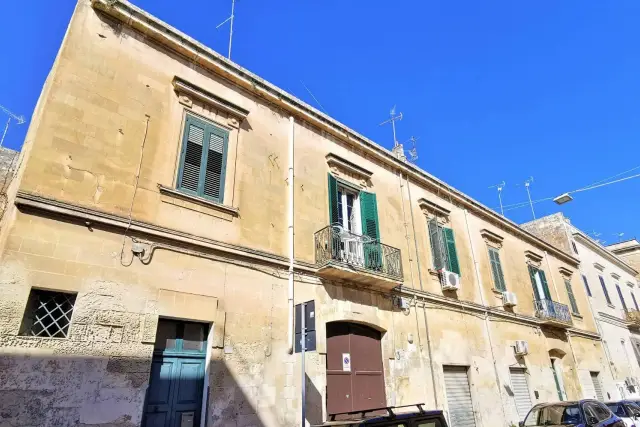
pixel 598 266
pixel 491 238
pixel 565 272
pixel 343 168
pixel 615 276
pixel 433 210
pixel 188 92
pixel 533 258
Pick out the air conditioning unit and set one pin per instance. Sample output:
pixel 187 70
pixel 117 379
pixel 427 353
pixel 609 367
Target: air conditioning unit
pixel 450 281
pixel 402 303
pixel 521 348
pixel 509 299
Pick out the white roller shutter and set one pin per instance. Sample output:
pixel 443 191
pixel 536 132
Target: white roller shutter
pixel 597 386
pixel 458 393
pixel 520 389
pixel 588 390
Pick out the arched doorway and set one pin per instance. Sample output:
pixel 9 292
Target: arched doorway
pixel 355 377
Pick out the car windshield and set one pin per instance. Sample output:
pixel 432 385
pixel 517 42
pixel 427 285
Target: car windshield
pixel 617 408
pixel 554 415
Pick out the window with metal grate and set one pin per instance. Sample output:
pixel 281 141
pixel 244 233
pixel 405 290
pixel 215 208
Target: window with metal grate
pixel 48 314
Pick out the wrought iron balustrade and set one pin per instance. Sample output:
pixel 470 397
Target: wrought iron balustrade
pixel 552 311
pixel 335 244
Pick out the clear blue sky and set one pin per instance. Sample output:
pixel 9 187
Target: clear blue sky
pixel 498 90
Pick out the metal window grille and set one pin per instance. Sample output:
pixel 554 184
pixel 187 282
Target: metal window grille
pixel 48 314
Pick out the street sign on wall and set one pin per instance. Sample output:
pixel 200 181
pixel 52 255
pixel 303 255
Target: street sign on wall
pixel 309 335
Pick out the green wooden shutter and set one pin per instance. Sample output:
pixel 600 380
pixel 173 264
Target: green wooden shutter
pixel 572 298
pixel 203 145
pixel 532 275
pixel 370 227
pixel 369 214
pixel 496 268
pixel 192 155
pixel 437 243
pixel 333 200
pixel 545 286
pixel 452 255
pixel 213 180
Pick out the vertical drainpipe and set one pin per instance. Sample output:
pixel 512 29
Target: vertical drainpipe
pixel 424 308
pixel 476 268
pixel 290 337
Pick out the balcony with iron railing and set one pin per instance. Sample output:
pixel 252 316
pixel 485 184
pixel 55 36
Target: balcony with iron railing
pixel 553 313
pixel 343 255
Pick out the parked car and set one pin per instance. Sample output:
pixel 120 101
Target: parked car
pixel 581 413
pixel 398 416
pixel 627 410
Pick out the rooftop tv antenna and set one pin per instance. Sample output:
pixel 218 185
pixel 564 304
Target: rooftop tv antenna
pixel 413 151
pixel 230 20
pixel 18 119
pixel 527 184
pixel 393 117
pixel 500 187
pixel 619 236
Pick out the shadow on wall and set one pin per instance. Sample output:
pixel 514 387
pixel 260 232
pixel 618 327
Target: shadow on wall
pixel 58 390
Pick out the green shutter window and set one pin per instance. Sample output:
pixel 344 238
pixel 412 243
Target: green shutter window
pixel 545 285
pixel 333 200
pixel 203 159
pixel 532 275
pixel 452 255
pixel 437 244
pixel 496 269
pixel 572 298
pixel 370 227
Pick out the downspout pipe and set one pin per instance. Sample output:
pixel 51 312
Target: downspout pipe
pixel 476 269
pixel 424 308
pixel 290 216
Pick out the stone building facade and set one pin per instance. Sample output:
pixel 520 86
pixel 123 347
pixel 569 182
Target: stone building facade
pixel 612 287
pixel 170 209
pixel 629 251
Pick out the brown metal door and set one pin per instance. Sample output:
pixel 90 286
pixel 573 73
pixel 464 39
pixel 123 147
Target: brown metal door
pixel 358 385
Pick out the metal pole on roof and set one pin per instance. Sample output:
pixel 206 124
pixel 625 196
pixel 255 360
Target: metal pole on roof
pixel 19 120
pixel 6 128
pixel 527 183
pixel 230 18
pixel 233 6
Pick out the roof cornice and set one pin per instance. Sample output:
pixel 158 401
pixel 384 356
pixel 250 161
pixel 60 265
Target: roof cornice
pixel 169 37
pixel 604 252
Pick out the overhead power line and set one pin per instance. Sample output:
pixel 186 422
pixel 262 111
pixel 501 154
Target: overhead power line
pixel 592 186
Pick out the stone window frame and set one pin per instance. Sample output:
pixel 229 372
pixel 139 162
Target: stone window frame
pixel 533 259
pixel 348 173
pixel 201 103
pixel 567 275
pixel 432 210
pixel 494 241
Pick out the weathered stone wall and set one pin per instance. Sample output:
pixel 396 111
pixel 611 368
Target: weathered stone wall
pixel 550 229
pixel 109 110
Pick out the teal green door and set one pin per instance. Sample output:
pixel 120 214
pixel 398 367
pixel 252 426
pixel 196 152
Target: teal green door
pixel 176 383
